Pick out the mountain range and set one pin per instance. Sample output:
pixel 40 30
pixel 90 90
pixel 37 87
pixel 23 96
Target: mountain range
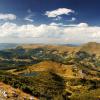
pixel 53 72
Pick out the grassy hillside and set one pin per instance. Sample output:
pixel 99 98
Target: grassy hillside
pixel 91 47
pixel 53 72
pixel 45 85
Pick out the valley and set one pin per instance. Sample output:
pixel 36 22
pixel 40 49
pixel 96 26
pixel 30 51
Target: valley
pixel 53 72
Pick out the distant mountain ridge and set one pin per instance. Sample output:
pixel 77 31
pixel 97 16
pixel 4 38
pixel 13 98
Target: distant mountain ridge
pixel 7 45
pixel 91 47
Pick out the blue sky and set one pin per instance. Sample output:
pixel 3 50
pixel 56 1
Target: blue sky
pixel 86 10
pixel 49 21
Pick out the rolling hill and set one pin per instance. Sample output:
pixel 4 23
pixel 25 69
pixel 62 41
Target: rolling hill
pixel 40 70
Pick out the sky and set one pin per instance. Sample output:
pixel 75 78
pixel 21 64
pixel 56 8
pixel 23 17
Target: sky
pixel 49 21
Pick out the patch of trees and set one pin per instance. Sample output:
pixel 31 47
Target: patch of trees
pixel 45 85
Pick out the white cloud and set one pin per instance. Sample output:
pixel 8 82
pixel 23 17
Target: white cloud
pixel 57 18
pixel 82 25
pixel 29 11
pixel 72 19
pixel 29 17
pixel 7 16
pixel 58 12
pixel 57 24
pixel 51 33
pixel 64 25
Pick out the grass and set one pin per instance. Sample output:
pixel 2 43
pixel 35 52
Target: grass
pixel 46 84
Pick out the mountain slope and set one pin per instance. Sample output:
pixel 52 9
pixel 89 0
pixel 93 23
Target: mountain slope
pixel 52 71
pixel 91 47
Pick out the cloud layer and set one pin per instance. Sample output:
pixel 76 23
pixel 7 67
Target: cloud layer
pixel 7 16
pixel 54 32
